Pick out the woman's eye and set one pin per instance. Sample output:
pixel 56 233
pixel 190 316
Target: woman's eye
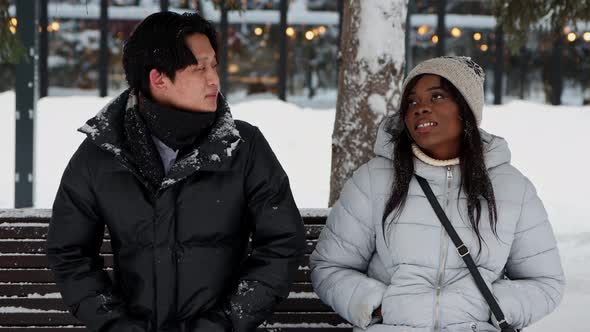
pixel 411 103
pixel 438 96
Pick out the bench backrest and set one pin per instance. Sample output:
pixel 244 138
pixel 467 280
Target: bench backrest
pixel 30 301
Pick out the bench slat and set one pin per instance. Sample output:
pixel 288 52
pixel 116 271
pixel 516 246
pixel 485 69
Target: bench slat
pixel 40 232
pixel 46 276
pixel 23 290
pixel 80 328
pixel 30 246
pixel 56 303
pixel 65 318
pixel 40 261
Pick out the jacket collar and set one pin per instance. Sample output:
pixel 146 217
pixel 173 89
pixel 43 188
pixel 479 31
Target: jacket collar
pixel 214 153
pixel 496 152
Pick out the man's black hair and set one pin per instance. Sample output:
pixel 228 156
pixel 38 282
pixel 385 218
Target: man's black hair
pixel 158 42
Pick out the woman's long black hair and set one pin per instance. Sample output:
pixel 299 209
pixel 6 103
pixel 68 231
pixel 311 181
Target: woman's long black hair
pixel 475 180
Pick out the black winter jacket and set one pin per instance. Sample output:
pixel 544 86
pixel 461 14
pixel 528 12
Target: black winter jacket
pixel 181 252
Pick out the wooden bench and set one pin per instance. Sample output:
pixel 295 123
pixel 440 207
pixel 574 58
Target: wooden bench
pixel 30 301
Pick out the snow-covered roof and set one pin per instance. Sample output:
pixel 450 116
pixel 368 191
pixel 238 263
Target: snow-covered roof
pixel 298 14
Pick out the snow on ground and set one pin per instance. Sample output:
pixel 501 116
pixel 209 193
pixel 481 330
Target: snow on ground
pixel 547 144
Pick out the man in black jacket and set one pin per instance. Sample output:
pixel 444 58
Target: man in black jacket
pixel 204 231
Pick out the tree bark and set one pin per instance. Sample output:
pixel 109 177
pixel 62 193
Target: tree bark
pixel 372 56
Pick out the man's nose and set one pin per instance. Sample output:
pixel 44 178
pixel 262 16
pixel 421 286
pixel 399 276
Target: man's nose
pixel 212 77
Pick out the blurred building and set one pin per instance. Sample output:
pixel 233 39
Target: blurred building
pixel 313 35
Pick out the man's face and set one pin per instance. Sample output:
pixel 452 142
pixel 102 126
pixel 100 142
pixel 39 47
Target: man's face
pixel 195 87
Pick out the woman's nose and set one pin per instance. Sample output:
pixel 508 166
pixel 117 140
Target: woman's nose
pixel 422 109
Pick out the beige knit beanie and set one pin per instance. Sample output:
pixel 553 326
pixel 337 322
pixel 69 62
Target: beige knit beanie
pixel 466 75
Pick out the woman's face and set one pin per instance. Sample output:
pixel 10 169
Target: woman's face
pixel 433 118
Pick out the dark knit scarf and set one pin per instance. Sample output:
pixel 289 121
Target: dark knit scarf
pixel 177 128
pixel 140 146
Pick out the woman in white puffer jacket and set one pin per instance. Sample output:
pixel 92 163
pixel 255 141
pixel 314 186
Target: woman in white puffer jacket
pixel 385 263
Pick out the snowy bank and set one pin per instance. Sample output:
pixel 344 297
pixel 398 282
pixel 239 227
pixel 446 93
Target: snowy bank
pixel 547 143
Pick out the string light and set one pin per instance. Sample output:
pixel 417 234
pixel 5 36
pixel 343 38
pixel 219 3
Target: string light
pixel 309 35
pixel 12 27
pixel 422 30
pixel 233 68
pixel 434 39
pixel 322 29
pixel 258 31
pixel 456 32
pixel 484 47
pixel 571 37
pixel 586 36
pixel 290 31
pixel 477 36
pixel 55 26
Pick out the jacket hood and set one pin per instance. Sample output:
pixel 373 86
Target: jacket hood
pixel 496 151
pixel 214 152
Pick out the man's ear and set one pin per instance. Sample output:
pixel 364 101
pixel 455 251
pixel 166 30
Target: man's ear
pixel 158 80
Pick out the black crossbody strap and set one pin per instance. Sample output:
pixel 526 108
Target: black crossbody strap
pixel 464 253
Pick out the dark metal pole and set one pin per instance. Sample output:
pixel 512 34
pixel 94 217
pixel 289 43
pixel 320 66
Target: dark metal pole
pixel 43 49
pixel 523 70
pixel 282 91
pixel 103 57
pixel 441 29
pixel 556 64
pixel 340 7
pixel 407 38
pixel 164 4
pixel 499 66
pixel 224 52
pixel 26 102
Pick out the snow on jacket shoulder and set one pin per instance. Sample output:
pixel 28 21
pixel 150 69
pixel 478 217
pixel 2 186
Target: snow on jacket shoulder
pixel 413 270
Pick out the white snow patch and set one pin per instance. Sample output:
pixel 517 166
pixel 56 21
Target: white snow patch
pixel 26 310
pixel 314 212
pixel 232 147
pixel 26 213
pixel 35 296
pixel 380 33
pixel 110 147
pixel 303 295
pixel 23 224
pixel 377 104
pixel 306 325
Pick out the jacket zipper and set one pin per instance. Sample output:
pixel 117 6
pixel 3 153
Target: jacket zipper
pixel 443 260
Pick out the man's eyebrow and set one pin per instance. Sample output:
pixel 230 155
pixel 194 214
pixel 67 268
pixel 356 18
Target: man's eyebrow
pixel 204 57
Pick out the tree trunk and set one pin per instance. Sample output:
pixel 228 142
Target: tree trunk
pixel 369 81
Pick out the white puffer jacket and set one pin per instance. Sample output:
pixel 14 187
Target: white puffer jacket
pixel 418 278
